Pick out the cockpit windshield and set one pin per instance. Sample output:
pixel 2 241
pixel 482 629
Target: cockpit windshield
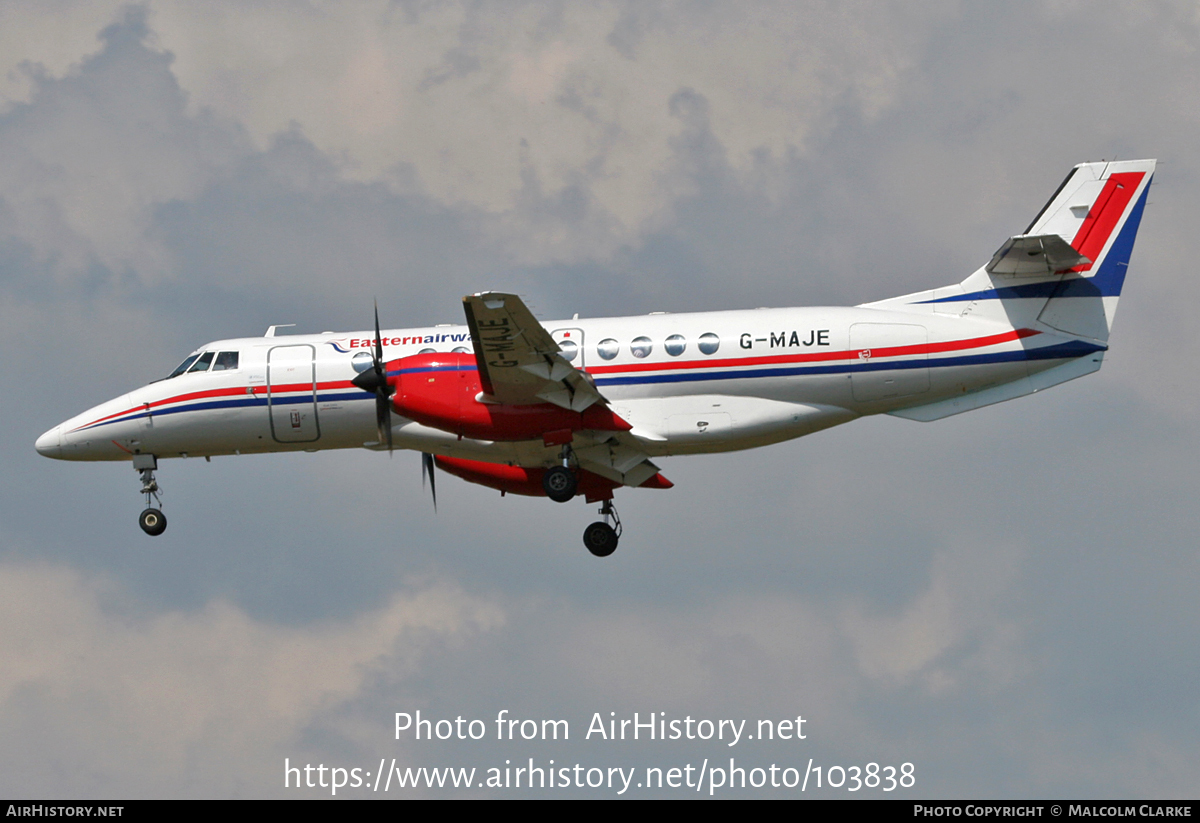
pixel 202 361
pixel 182 367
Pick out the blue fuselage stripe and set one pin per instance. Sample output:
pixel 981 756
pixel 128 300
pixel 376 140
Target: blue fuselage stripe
pixel 1061 351
pixel 1076 348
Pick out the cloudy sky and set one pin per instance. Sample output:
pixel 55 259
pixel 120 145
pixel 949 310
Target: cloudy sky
pixel 1005 599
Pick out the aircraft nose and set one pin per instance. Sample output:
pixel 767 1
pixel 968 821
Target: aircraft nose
pixel 50 443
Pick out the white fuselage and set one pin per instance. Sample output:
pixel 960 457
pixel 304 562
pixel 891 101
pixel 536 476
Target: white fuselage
pixel 773 374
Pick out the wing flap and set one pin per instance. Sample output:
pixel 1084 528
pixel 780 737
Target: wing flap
pixel 619 459
pixel 553 370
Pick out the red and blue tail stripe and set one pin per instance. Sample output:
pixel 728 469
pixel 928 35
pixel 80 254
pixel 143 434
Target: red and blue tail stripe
pixel 1089 241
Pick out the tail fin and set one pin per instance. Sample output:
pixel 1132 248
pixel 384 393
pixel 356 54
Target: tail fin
pixel 1099 209
pixel 1067 270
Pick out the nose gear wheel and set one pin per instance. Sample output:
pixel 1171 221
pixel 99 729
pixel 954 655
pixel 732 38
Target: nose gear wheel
pixel 600 537
pixel 151 520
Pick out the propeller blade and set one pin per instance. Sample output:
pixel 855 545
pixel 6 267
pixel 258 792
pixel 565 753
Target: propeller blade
pixel 427 468
pixel 378 341
pixel 374 380
pixel 383 419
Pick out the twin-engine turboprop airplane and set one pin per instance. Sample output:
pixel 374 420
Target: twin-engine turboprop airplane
pixel 584 407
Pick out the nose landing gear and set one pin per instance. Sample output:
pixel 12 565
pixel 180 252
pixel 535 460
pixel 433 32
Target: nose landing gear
pixel 152 520
pixel 600 537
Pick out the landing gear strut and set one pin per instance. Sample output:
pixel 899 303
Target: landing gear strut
pixel 151 520
pixel 600 537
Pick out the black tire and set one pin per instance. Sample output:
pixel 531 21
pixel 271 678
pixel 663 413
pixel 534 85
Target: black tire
pixel 600 539
pixel 559 484
pixel 153 522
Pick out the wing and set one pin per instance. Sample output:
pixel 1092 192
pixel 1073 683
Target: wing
pixel 519 363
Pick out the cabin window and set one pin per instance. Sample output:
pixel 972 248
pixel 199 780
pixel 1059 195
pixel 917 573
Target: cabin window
pixel 569 349
pixel 182 367
pixel 608 349
pixel 675 344
pixel 461 350
pixel 709 343
pixel 226 361
pixel 203 363
pixel 641 347
pixel 427 351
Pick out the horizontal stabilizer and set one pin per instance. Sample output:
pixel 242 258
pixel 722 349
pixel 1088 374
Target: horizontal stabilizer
pixel 1035 254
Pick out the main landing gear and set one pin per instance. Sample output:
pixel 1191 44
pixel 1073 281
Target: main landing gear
pixel 151 520
pixel 559 482
pixel 600 537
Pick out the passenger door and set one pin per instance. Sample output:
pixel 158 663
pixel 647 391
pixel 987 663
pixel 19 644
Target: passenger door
pixel 292 394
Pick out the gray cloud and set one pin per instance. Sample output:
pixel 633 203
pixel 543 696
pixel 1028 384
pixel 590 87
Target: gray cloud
pixel 1003 598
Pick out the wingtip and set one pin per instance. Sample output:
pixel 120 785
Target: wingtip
pixel 658 482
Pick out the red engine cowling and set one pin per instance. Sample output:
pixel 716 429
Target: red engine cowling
pixel 439 390
pixel 519 480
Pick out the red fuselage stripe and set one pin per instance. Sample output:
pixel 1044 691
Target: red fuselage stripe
pixel 236 391
pixel 851 354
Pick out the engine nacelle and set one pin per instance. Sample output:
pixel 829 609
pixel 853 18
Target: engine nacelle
pixel 440 390
pixel 520 480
